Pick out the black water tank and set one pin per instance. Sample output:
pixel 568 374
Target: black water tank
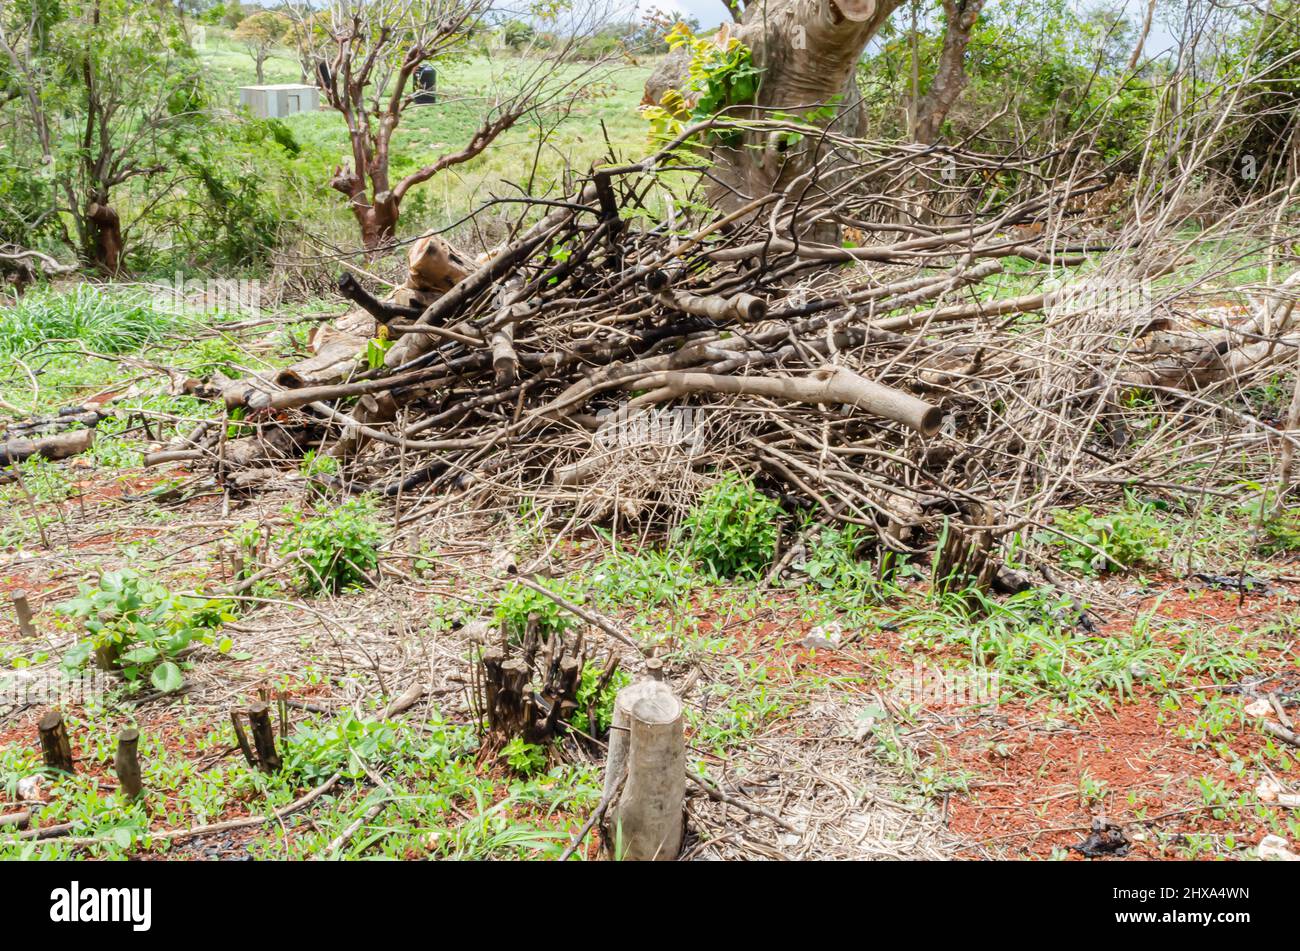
pixel 426 85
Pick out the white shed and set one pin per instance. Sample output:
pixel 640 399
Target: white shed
pixel 283 99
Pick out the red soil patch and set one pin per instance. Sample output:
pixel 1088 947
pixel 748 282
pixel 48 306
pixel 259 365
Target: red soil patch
pixel 1031 777
pixel 1031 771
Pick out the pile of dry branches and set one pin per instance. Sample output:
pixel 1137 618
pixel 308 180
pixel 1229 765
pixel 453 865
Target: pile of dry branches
pixel 837 340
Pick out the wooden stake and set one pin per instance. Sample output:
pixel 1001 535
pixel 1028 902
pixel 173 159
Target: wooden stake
pixel 55 746
pixel 126 763
pixel 24 612
pixel 259 719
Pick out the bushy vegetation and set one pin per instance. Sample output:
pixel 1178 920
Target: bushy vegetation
pixel 140 628
pixel 517 603
pixel 1092 542
pixel 596 705
pixel 1061 67
pixel 337 546
pixel 104 320
pixel 732 531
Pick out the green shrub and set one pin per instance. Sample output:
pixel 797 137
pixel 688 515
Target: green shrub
pixel 524 758
pixel 517 602
pixel 314 464
pixel 732 530
pixel 833 565
pixel 594 703
pixel 138 626
pixel 1279 531
pixel 213 355
pixel 338 548
pixel 1116 542
pixel 43 480
pixel 344 744
pixel 644 577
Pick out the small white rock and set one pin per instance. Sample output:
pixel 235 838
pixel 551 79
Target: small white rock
pixel 1260 708
pixel 825 636
pixel 1275 847
pixel 1268 789
pixel 29 788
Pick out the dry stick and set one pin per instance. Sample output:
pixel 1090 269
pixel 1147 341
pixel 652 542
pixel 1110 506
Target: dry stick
pixel 241 738
pixel 126 763
pixel 172 455
pixel 17 820
pixel 343 837
pixel 826 385
pixel 597 814
pixel 174 835
pixel 742 307
pixel 717 795
pixel 1280 710
pixel 505 362
pixel 1280 732
pixel 55 746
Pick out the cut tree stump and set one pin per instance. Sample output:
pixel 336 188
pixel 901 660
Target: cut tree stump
pixel 259 719
pixel 55 746
pixel 24 612
pixel 964 560
pixel 126 763
pixel 646 822
pixel 530 690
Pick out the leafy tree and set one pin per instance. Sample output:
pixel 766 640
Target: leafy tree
pixel 364 55
pixel 517 34
pixel 261 33
pixel 109 141
pixel 110 87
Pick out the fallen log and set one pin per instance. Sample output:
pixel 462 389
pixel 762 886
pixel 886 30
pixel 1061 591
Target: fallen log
pixel 826 385
pixel 58 446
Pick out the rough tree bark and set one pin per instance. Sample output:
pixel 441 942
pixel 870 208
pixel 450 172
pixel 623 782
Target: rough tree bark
pixel 105 234
pixel 808 51
pixel 950 77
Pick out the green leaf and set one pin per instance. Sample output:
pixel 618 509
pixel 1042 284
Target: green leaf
pixel 167 677
pixel 141 655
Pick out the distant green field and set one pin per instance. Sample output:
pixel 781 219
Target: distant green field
pixel 465 93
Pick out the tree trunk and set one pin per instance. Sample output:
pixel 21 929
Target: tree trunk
pixel 646 742
pixel 378 221
pixel 808 51
pixel 950 77
pixel 105 234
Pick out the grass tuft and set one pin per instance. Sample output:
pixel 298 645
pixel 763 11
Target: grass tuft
pixel 104 321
